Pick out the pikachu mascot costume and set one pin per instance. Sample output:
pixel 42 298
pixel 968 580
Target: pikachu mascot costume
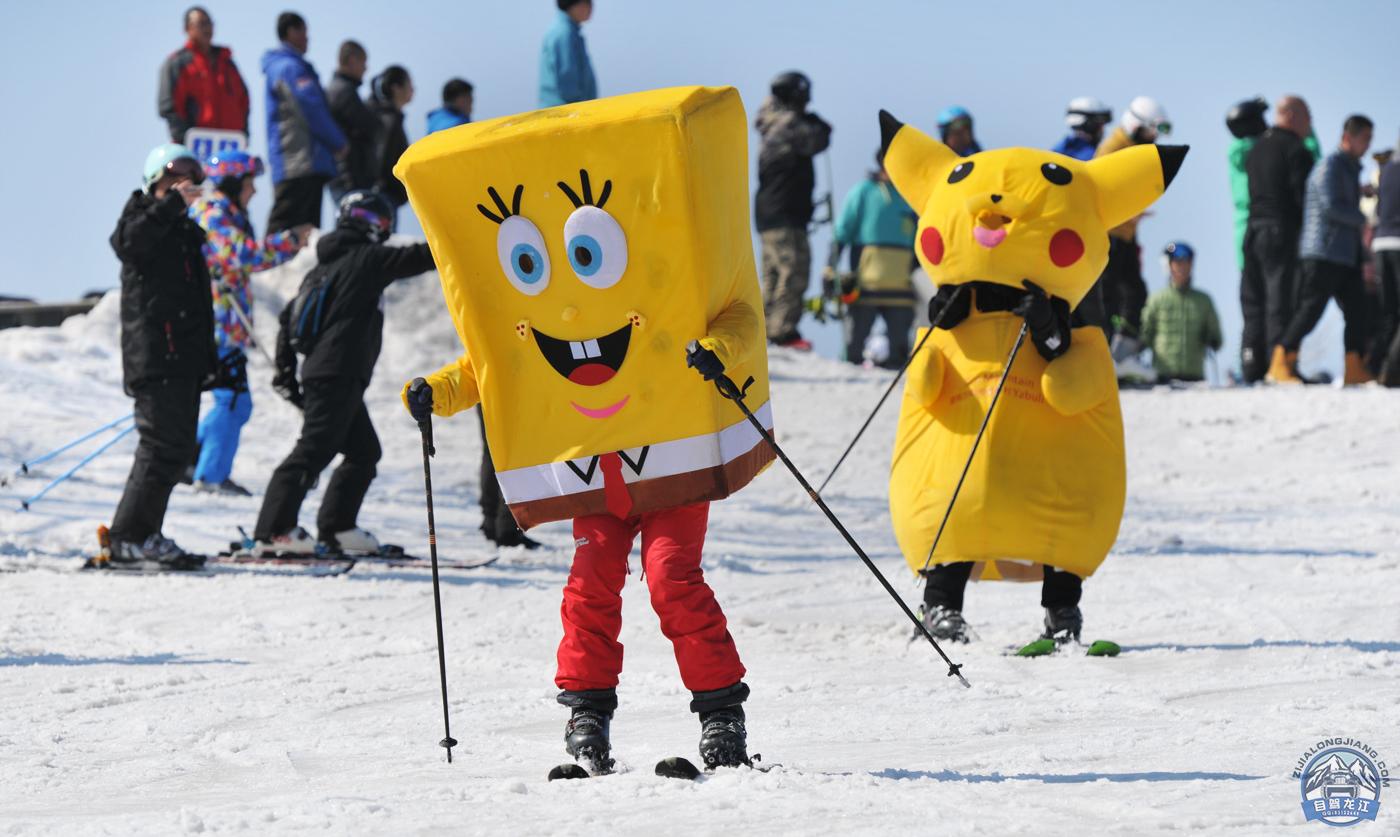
pixel 589 253
pixel 1012 235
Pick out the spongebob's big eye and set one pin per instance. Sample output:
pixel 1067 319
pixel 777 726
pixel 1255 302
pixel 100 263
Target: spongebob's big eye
pixel 960 171
pixel 1056 174
pixel 596 246
pixel 524 259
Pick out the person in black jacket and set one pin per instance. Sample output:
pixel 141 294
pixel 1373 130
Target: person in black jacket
pixel 356 121
pixel 1277 168
pixel 390 92
pixel 168 353
pixel 792 136
pixel 355 267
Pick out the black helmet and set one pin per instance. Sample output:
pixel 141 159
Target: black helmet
pixel 366 211
pixel 792 88
pixel 1246 119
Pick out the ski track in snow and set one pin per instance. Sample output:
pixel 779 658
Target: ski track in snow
pixel 1253 586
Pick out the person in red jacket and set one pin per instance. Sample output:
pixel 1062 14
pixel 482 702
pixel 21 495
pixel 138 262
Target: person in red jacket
pixel 200 86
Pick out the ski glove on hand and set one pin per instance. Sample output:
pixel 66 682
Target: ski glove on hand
pixel 704 361
pixel 949 305
pixel 287 387
pixel 1047 321
pixel 419 398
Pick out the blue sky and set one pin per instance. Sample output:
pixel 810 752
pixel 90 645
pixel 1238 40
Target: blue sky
pixel 80 89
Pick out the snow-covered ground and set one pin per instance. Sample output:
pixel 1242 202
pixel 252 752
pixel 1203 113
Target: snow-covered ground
pixel 1255 587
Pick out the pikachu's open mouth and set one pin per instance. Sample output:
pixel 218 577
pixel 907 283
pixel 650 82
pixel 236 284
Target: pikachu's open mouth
pixel 990 228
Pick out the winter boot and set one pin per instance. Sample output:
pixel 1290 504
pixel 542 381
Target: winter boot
pixel 297 543
pixel 723 736
pixel 353 542
pixel 943 622
pixel 1356 372
pixel 155 553
pixel 1063 624
pixel 228 488
pixel 586 738
pixel 515 537
pixel 1283 368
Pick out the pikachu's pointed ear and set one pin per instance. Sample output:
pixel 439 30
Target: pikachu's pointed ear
pixel 1129 180
pixel 914 159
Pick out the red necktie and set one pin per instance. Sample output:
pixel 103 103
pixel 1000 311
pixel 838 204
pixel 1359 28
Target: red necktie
pixel 616 498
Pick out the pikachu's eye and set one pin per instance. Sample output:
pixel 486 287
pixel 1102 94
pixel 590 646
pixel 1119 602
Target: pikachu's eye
pixel 1058 175
pixel 960 172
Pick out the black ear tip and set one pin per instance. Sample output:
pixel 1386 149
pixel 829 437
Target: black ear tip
pixel 1172 157
pixel 889 126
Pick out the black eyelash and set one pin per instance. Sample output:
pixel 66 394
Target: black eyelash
pixel 501 205
pixel 587 199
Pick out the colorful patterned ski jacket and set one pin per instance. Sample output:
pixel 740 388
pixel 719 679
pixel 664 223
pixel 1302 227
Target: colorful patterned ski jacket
pixel 233 253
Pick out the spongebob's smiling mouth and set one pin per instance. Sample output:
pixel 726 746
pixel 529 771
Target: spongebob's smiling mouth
pixel 587 363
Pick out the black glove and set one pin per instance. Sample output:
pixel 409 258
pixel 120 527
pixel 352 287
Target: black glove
pixel 287 387
pixel 950 305
pixel 1047 321
pixel 420 400
pixel 231 373
pixel 704 361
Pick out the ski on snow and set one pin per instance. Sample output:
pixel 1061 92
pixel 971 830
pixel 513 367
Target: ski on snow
pixel 389 555
pixel 672 767
pixel 1047 646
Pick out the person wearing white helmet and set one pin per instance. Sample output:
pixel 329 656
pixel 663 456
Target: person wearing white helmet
pixel 1115 302
pixel 1086 118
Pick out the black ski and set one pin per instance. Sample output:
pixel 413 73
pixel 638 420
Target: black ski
pixel 677 767
pixel 569 770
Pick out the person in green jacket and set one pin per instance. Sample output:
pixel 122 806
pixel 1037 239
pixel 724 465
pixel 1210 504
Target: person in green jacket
pixel 878 226
pixel 1179 323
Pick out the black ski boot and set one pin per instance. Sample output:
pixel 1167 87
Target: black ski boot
pixel 1063 624
pixel 586 739
pixel 586 733
pixel 723 736
pixel 943 622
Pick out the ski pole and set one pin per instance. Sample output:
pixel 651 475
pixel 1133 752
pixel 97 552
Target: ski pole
pixel 909 360
pixel 1005 373
pixel 25 504
pixel 730 390
pixel 426 429
pixel 25 466
pixel 248 325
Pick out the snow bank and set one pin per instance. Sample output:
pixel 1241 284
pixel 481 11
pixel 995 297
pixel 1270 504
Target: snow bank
pixel 1254 587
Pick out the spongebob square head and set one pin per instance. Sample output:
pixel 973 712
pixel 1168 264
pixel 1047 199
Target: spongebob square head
pixel 1014 214
pixel 581 248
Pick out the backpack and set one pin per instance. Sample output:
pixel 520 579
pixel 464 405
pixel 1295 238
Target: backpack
pixel 304 315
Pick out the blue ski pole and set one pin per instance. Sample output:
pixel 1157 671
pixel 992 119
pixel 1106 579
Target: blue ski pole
pixel 25 466
pixel 25 504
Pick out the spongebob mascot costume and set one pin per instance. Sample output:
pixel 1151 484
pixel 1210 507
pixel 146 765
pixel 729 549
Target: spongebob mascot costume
pixel 589 253
pixel 1012 236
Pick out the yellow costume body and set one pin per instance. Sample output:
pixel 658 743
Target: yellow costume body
pixel 1047 484
pixel 581 248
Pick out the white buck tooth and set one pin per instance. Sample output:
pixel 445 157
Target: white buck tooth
pixel 590 348
pixel 576 349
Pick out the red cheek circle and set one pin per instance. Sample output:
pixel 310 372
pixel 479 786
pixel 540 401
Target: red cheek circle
pixel 1066 248
pixel 932 242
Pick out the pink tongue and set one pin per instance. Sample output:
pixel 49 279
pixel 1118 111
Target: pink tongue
pixel 988 238
pixel 591 374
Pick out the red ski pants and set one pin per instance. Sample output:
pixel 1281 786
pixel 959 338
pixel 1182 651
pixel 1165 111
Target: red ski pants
pixel 590 657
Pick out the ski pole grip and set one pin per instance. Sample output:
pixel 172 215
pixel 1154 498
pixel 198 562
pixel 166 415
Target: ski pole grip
pixel 425 426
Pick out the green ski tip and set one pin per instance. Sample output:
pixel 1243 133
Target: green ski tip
pixel 1042 647
pixel 1103 648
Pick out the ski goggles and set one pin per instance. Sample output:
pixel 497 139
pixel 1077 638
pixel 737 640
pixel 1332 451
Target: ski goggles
pixel 239 166
pixel 374 219
pixel 185 168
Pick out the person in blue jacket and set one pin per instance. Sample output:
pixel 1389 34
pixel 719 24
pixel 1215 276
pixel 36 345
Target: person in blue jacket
pixel 955 129
pixel 878 225
pixel 1085 117
pixel 566 74
pixel 303 139
pixel 456 106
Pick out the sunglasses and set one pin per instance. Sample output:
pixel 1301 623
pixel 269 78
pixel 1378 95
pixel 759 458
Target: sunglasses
pixel 184 168
pixel 372 218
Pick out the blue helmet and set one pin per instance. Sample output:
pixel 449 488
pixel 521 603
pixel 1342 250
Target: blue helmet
pixel 951 114
pixel 224 164
pixel 1179 251
pixel 172 158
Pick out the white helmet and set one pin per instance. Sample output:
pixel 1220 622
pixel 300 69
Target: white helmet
pixel 1145 112
pixel 1086 110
